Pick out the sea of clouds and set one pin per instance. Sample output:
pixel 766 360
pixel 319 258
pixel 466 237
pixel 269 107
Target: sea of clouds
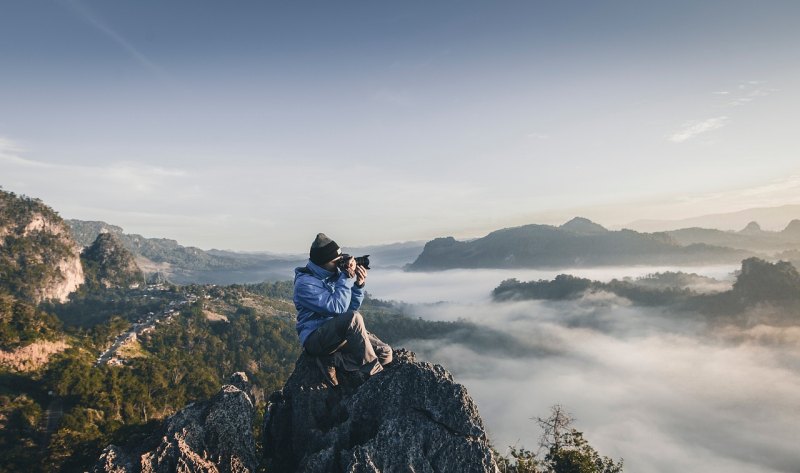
pixel 664 391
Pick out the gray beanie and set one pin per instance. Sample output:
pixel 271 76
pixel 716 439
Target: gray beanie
pixel 323 250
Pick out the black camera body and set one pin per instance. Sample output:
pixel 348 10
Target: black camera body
pixel 360 261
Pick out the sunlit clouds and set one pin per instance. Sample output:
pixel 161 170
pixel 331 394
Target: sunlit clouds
pixel 692 129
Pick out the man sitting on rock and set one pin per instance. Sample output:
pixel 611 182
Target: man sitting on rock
pixel 327 295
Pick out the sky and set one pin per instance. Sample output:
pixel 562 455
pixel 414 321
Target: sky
pixel 255 125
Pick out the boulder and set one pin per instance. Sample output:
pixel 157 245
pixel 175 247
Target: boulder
pixel 410 417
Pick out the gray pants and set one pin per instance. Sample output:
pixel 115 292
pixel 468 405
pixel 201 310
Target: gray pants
pixel 353 348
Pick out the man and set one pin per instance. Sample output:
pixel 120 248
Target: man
pixel 327 295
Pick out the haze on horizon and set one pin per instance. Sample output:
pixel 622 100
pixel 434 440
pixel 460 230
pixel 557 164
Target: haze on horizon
pixel 253 127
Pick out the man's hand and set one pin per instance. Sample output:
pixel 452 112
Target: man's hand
pixel 350 269
pixel 361 276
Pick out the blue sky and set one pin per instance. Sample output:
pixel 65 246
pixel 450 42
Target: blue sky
pixel 254 125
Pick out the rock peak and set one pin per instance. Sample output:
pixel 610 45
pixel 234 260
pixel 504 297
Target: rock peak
pixel 410 417
pixel 793 227
pixel 583 226
pixel 752 227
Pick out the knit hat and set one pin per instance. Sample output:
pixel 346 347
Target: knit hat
pixel 323 250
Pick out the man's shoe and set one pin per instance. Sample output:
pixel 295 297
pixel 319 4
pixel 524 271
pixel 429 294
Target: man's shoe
pixel 328 370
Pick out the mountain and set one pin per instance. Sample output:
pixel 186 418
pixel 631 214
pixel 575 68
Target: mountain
pixel 109 264
pixel 583 226
pixel 189 265
pixel 38 258
pixel 39 261
pixel 751 238
pixel 579 242
pixel 792 230
pixel 752 228
pixel 157 251
pixel 770 217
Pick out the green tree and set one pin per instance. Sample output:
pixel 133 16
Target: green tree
pixel 565 451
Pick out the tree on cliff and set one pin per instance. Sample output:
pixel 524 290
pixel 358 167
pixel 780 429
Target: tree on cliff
pixel 566 451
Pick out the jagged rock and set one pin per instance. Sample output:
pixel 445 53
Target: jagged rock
pixel 211 436
pixel 410 417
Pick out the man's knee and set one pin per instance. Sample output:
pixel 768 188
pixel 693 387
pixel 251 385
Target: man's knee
pixel 356 322
pixel 384 354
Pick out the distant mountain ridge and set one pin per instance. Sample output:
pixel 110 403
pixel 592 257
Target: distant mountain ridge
pixel 750 238
pixel 768 217
pixel 188 265
pixel 579 242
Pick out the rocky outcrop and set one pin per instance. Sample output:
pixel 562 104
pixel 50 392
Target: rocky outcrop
pixel 110 264
pixel 410 417
pixel 38 256
pixel 205 437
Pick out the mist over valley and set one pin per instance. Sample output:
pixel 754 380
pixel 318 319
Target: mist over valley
pixel 667 391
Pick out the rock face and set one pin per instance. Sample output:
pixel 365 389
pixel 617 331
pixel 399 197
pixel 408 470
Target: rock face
pixel 208 437
pixel 410 417
pixel 38 256
pixel 110 264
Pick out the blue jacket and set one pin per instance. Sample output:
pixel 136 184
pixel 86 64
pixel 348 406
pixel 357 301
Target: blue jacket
pixel 320 295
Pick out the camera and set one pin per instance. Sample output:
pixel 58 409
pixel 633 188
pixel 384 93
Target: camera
pixel 360 261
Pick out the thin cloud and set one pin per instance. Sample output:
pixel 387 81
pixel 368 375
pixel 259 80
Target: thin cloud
pixel 85 13
pixel 778 192
pixel 692 129
pixel 133 176
pixel 9 146
pixel 751 96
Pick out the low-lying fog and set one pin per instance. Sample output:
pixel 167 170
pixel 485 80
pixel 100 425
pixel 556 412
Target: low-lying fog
pixel 476 284
pixel 666 393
